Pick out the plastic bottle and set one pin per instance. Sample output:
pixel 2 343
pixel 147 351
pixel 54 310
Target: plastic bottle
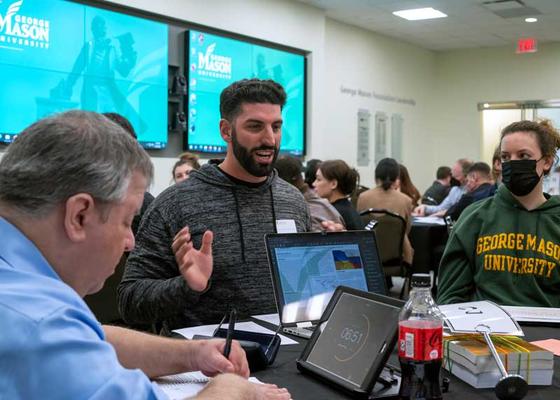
pixel 420 343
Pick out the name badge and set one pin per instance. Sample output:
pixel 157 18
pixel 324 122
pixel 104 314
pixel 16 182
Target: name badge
pixel 286 226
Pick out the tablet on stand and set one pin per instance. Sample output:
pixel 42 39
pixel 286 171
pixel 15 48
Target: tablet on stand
pixel 355 336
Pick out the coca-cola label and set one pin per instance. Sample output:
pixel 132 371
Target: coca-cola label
pixel 420 344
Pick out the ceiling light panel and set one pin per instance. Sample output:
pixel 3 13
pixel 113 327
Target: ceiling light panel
pixel 419 14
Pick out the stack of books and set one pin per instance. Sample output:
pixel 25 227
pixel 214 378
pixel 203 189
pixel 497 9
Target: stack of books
pixel 468 357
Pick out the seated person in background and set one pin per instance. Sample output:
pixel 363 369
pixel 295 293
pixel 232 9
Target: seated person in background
pixel 239 201
pixel 311 172
pixel 289 169
pixel 181 171
pixel 191 158
pixel 507 248
pixel 386 196
pixel 66 208
pixel 497 166
pixel 435 194
pixel 407 187
pixel 187 162
pixel 479 186
pixel 459 175
pixel 336 182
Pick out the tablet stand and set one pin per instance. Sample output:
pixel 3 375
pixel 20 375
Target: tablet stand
pixel 387 385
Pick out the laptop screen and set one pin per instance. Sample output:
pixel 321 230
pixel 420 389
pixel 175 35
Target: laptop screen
pixel 308 267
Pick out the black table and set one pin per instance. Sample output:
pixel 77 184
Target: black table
pixel 284 373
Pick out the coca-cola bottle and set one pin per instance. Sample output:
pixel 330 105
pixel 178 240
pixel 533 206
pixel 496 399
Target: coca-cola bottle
pixel 420 343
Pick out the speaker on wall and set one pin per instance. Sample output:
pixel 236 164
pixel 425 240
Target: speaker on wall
pixel 179 85
pixel 179 122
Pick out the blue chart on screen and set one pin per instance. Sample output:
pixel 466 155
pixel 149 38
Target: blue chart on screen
pixel 214 62
pixel 57 55
pixel 312 270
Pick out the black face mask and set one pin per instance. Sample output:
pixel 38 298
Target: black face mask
pixel 520 176
pixel 455 182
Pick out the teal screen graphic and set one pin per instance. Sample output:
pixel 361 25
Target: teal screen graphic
pixel 57 55
pixel 214 62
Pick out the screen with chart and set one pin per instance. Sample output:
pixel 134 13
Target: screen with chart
pixel 59 55
pixel 214 62
pixel 309 275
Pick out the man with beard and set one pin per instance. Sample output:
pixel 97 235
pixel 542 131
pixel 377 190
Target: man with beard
pixel 224 209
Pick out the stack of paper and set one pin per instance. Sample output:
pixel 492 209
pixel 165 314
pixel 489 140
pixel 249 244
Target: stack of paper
pixel 469 358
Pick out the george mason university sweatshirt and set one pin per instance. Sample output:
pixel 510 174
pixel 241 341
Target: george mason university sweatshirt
pixel 500 251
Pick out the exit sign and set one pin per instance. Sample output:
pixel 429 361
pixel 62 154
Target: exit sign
pixel 527 45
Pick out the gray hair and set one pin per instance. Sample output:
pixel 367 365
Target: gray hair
pixel 69 153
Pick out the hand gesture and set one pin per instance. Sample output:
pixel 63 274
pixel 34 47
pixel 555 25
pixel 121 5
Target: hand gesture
pixel 195 265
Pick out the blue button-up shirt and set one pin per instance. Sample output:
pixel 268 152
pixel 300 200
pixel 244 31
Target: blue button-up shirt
pixel 51 345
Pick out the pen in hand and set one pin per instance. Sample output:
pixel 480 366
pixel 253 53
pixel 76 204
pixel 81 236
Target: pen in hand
pixel 230 330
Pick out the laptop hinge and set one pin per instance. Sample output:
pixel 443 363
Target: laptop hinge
pixel 306 324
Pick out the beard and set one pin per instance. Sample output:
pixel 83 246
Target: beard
pixel 245 157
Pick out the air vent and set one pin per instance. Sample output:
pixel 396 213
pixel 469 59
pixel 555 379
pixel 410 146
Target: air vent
pixel 510 8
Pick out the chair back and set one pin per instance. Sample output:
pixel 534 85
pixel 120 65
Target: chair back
pixel 390 229
pixel 104 303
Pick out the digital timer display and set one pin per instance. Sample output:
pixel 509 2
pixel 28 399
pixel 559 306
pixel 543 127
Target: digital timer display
pixel 353 337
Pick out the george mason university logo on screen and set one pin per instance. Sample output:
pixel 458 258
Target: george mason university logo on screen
pixel 210 64
pixel 18 31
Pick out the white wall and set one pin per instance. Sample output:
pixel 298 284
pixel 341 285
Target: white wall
pixel 467 77
pixel 360 59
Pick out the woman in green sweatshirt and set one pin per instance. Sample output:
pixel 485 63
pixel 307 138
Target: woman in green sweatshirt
pixel 507 248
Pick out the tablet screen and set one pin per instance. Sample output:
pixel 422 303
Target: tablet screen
pixel 353 337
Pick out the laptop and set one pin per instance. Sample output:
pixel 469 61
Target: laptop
pixel 307 268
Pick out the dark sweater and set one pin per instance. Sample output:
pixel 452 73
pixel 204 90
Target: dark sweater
pixel 483 191
pixel 435 194
pixel 351 217
pixel 152 289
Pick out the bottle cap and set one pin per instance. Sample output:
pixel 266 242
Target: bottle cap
pixel 420 280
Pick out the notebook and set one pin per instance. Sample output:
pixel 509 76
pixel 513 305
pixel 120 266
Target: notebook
pixel 307 268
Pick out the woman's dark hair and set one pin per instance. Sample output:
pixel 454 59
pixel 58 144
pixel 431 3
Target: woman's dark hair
pixel 407 187
pixel 289 168
pixel 345 176
pixel 547 136
pixel 387 172
pixel 311 171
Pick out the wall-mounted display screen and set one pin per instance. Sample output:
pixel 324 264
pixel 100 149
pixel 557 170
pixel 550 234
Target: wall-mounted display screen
pixel 214 62
pixel 58 55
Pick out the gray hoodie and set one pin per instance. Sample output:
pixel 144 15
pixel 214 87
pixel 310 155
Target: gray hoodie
pixel 152 289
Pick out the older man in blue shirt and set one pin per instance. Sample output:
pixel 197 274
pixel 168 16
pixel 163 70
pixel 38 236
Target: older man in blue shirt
pixel 70 186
